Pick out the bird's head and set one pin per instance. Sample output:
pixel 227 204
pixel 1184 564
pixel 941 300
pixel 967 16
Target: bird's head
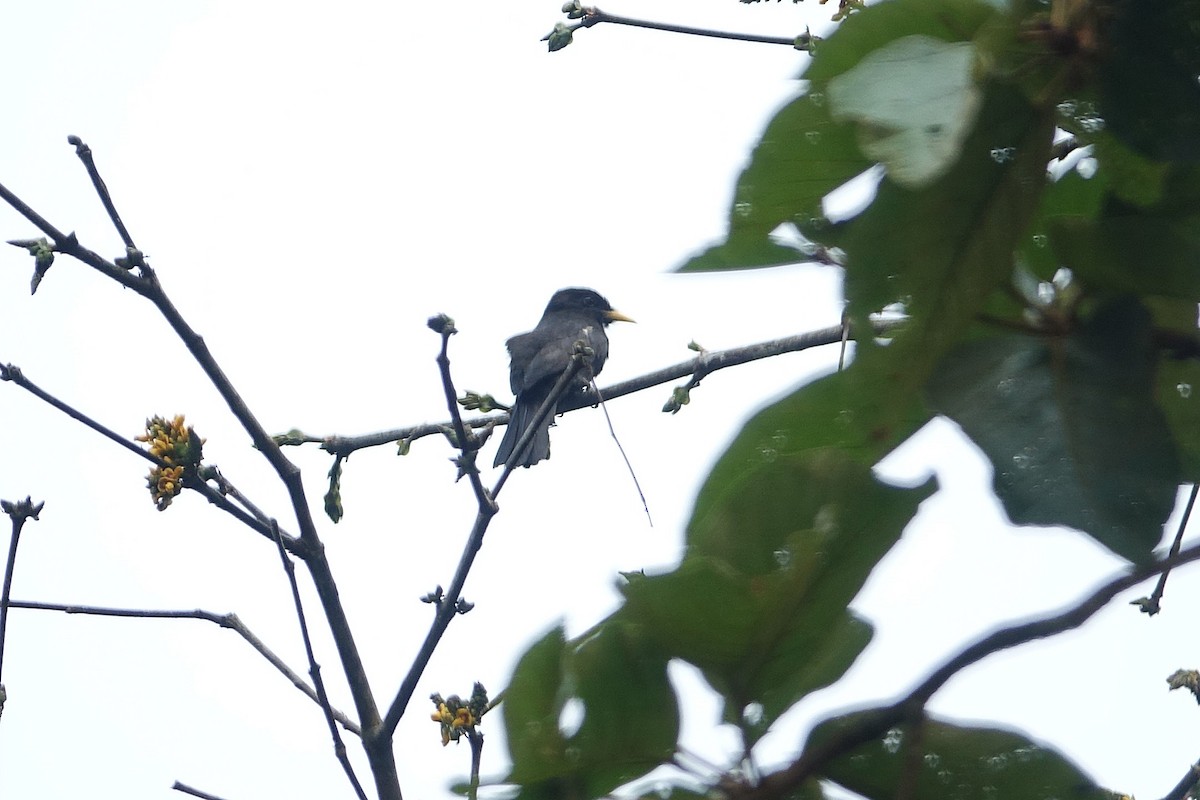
pixel 585 300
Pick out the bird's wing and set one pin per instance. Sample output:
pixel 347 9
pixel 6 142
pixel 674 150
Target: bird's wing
pixel 546 359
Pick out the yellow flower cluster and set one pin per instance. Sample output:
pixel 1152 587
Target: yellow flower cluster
pixel 177 448
pixel 458 716
pixel 454 722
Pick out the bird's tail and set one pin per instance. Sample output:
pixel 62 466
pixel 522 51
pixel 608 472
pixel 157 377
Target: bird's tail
pixel 539 447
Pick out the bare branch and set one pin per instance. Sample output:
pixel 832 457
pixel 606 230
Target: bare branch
pixel 871 726
pixel 314 669
pixel 229 621
pixel 185 789
pixel 448 603
pixel 18 513
pixel 1182 790
pixel 1152 605
pixel 145 282
pixel 706 363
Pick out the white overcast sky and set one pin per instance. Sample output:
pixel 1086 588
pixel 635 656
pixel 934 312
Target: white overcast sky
pixel 312 181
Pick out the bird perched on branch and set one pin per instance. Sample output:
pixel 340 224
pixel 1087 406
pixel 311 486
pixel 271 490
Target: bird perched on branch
pixel 540 357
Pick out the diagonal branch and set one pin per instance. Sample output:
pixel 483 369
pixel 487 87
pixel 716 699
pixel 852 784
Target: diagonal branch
pixel 448 604
pixel 314 669
pixel 145 282
pixel 248 513
pixel 229 621
pixel 870 727
pixel 594 16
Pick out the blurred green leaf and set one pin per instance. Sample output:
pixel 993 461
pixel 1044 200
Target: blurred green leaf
pixel 1071 426
pixel 955 762
pixel 1130 176
pixel 774 558
pixel 802 156
pixel 533 703
pixel 943 248
pixel 1148 250
pixel 630 715
pixel 1177 389
pixel 1150 95
pixel 1071 196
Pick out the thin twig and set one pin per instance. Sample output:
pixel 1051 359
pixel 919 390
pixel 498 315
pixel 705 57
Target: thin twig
pixel 229 621
pixel 185 789
pixel 18 513
pixel 85 155
pixel 595 16
pixel 314 669
pixel 255 519
pixel 67 243
pixel 1152 605
pixel 379 750
pixel 467 444
pixel 475 739
pixel 448 605
pixel 1182 789
pixel 209 472
pixel 14 375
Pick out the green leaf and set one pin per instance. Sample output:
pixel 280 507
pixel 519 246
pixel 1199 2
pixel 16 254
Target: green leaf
pixel 1071 426
pixel 1150 95
pixel 942 251
pixel 954 762
pixel 944 248
pixel 1131 176
pixel 1178 380
pixel 1148 250
pixel 631 717
pixel 1071 196
pixel 775 557
pixel 802 156
pixel 1178 393
pixel 630 723
pixel 532 705
pixel 849 412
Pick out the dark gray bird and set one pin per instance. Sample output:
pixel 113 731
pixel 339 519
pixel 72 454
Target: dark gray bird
pixel 539 358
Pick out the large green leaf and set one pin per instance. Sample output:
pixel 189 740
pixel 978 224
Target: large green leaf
pixel 802 156
pixel 942 249
pixel 1177 387
pixel 1152 249
pixel 849 412
pixel 1150 95
pixel 804 153
pixel 631 717
pixel 1071 196
pixel 1071 426
pixel 774 558
pixel 953 762
pixel 630 723
pixel 533 702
